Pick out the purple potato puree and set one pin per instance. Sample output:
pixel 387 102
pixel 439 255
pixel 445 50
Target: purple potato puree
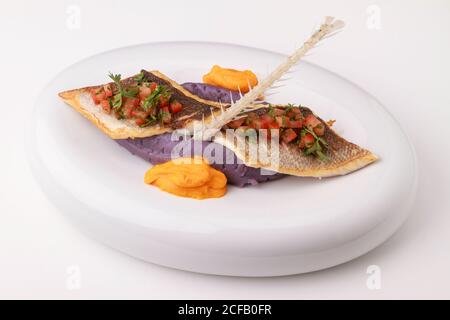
pixel 158 149
pixel 211 93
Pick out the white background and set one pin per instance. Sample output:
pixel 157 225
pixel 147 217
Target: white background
pixel 404 64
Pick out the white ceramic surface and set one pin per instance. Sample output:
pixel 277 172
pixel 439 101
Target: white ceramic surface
pixel 289 226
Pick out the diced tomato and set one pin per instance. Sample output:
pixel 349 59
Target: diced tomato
pixel 306 141
pixel 133 102
pixel 311 121
pixel 139 113
pixel 144 92
pixel 153 86
pixel 127 111
pixel 175 107
pixel 265 123
pixel 266 120
pixel 163 101
pixel 282 121
pixel 108 90
pixel 236 123
pixel 319 129
pixel 166 116
pixel 140 121
pixel 294 124
pixel 94 97
pixel 106 106
pixel 278 112
pixel 98 95
pixel 294 113
pixel 259 124
pixel 288 135
pixel 273 125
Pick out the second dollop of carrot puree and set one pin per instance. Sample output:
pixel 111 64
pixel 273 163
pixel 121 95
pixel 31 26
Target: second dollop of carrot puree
pixel 188 177
pixel 231 79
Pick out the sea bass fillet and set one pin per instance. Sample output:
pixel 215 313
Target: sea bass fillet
pixel 194 108
pixel 341 156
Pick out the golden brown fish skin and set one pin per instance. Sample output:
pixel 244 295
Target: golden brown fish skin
pixel 343 156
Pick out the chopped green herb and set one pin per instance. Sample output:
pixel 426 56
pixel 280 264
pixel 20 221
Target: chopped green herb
pixel 289 107
pixel 140 78
pixel 322 156
pixel 116 78
pixel 117 98
pixel 150 120
pixel 130 92
pixel 271 111
pixel 116 101
pixel 316 148
pixel 310 150
pixel 153 99
pixel 122 92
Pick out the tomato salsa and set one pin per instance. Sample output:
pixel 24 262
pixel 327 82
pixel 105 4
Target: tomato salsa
pixel 291 125
pixel 145 103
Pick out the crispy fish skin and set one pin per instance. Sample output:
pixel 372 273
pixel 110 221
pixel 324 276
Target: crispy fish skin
pixel 194 109
pixel 343 156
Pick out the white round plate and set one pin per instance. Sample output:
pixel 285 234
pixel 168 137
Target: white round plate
pixel 289 226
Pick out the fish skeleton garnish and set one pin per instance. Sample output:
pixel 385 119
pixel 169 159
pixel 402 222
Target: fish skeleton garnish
pixel 327 29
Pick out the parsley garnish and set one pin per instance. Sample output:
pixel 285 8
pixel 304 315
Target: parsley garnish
pixel 140 78
pixel 289 107
pixel 117 98
pixel 130 92
pixel 150 120
pixel 122 92
pixel 116 101
pixel 153 99
pixel 271 111
pixel 116 78
pixel 317 147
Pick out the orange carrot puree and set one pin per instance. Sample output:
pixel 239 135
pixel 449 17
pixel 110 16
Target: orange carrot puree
pixel 188 177
pixel 231 79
